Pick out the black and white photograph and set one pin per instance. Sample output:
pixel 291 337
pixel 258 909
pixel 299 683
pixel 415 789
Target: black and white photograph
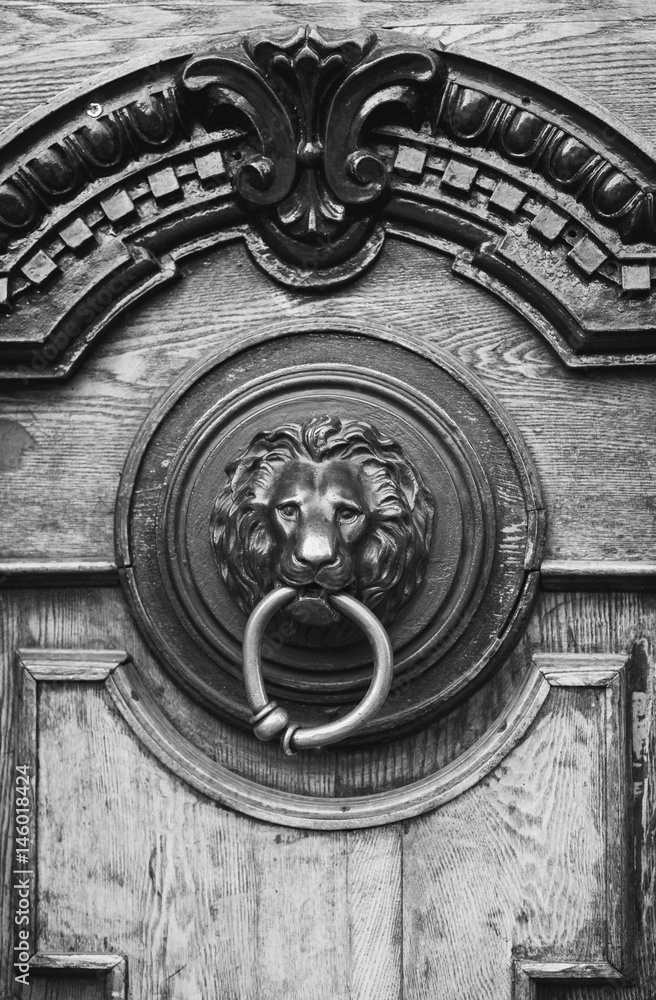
pixel 328 500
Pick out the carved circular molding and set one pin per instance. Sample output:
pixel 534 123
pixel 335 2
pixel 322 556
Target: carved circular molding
pixel 477 587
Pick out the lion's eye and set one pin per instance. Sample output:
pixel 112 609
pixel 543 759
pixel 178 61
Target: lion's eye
pixel 288 510
pixel 348 514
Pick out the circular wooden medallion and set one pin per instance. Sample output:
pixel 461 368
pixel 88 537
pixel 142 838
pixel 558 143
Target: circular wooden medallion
pixel 463 610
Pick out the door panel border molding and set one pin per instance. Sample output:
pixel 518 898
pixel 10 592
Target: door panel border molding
pixel 528 975
pixel 589 670
pixel 38 666
pixel 112 968
pixel 607 672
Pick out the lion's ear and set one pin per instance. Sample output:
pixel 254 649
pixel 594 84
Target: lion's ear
pixel 244 471
pixel 260 450
pixel 241 473
pixel 408 482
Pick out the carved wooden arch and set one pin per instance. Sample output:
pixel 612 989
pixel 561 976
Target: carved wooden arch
pixel 313 148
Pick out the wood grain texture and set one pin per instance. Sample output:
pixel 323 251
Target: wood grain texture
pixel 591 52
pixel 324 812
pixel 8 749
pixel 61 986
pixel 102 619
pixel 530 976
pixel 375 887
pixel 586 312
pixel 92 617
pixel 644 977
pixel 265 911
pixel 200 771
pixel 73 573
pixel 598 485
pixel 599 575
pixel 605 49
pixel 27 758
pixel 72 976
pixel 591 45
pixel 236 908
pixel 473 884
pixel 53 620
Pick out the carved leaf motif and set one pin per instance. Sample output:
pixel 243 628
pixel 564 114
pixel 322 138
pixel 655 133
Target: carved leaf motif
pixel 266 176
pixel 303 105
pixel 386 85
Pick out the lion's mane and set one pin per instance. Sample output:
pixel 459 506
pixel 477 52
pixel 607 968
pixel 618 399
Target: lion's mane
pixel 388 563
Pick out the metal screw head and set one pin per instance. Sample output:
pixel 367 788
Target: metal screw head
pixel 94 110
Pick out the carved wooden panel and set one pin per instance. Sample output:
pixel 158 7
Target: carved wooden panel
pixel 436 860
pixel 394 279
pixel 310 147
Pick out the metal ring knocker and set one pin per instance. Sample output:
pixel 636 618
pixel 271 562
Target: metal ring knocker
pixel 269 720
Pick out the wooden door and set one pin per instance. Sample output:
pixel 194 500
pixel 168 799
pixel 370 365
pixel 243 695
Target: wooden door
pixel 360 317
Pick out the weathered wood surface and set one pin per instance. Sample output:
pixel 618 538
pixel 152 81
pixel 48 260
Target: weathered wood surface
pixel 75 438
pixel 606 50
pixel 8 741
pixel 563 623
pixel 103 620
pixel 48 986
pixel 237 908
pixel 248 910
pixel 603 48
pixel 68 976
pixel 644 977
pixel 590 435
pixel 476 882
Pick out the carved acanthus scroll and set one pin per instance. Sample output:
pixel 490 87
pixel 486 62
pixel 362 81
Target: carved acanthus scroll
pixel 305 104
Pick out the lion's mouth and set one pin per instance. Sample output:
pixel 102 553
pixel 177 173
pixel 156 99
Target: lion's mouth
pixel 311 588
pixel 312 607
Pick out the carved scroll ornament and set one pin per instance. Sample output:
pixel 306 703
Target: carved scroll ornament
pixel 305 104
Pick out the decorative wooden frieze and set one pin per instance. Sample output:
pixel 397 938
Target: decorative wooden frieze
pixel 313 147
pixel 101 146
pixel 474 118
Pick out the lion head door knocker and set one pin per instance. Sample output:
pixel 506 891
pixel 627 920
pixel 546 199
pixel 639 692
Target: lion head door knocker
pixel 321 520
pixel 330 535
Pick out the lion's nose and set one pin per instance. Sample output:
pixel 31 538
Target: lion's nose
pixel 315 548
